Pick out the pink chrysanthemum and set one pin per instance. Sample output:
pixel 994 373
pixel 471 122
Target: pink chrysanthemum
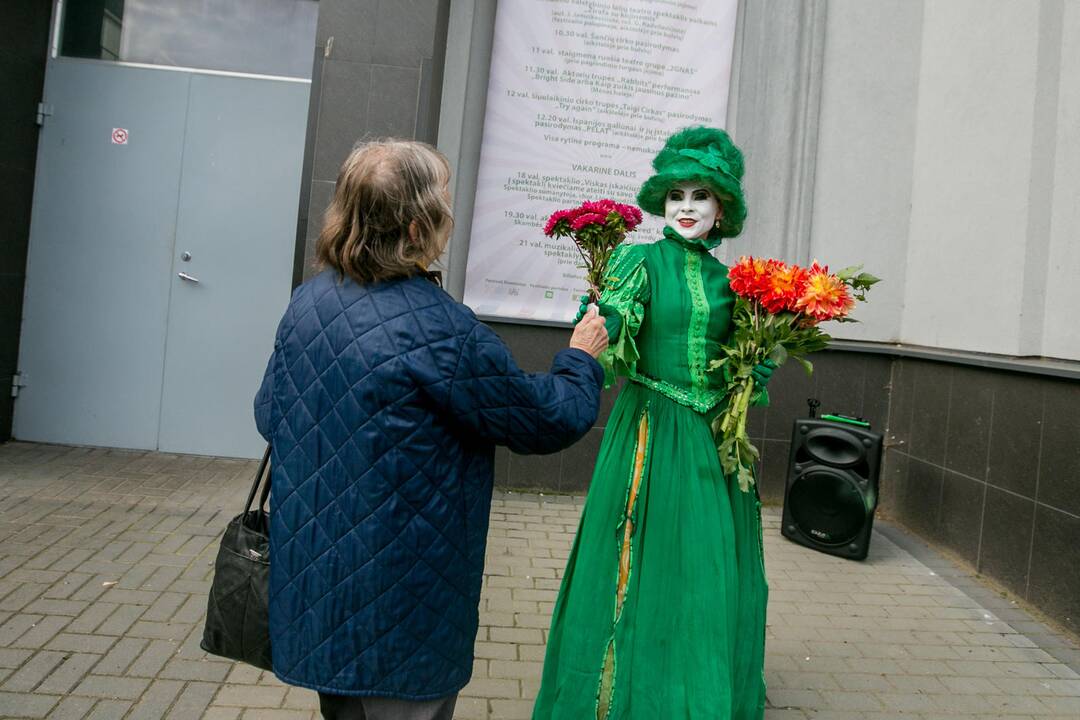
pixel 556 217
pixel 630 215
pixel 596 227
pixel 588 218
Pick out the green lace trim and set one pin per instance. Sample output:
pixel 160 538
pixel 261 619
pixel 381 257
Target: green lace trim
pixel 699 322
pixel 697 400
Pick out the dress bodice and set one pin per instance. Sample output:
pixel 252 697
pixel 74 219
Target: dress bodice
pixel 676 305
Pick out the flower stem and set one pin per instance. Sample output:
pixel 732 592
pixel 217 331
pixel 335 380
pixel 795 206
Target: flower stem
pixel 730 412
pixel 744 405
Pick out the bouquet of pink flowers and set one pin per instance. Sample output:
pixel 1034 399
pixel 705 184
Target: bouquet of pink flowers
pixel 776 317
pixel 596 228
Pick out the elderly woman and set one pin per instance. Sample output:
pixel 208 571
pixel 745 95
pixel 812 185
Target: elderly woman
pixel 384 400
pixel 662 608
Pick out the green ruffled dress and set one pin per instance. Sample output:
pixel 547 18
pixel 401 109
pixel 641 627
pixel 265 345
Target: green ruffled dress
pixel 661 613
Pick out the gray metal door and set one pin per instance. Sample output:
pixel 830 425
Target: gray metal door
pixel 237 221
pixel 117 350
pixel 101 239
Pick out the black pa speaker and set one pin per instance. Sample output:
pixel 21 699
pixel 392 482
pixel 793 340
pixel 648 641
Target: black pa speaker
pixel 832 485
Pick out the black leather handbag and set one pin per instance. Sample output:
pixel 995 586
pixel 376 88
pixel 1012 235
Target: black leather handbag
pixel 237 614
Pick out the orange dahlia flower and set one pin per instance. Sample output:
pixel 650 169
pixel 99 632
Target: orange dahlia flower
pixel 824 296
pixel 786 284
pixel 750 276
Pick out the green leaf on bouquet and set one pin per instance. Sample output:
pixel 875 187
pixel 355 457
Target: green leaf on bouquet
pixel 750 450
pixel 728 463
pixel 779 355
pixel 784 319
pixel 746 478
pixel 849 272
pixel 864 280
pixel 807 365
pixel 812 341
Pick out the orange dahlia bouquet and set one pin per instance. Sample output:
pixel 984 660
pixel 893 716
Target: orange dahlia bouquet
pixel 778 308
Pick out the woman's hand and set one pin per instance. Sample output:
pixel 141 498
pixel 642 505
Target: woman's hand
pixel 590 334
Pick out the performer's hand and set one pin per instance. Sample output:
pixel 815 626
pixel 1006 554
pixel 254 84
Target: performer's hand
pixel 584 308
pixel 612 319
pixel 763 373
pixel 590 334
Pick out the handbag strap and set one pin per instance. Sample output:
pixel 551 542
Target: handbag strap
pixel 255 485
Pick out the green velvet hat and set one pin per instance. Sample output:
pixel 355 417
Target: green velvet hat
pixel 705 155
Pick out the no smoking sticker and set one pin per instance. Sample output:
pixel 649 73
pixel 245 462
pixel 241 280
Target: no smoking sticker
pixel 119 136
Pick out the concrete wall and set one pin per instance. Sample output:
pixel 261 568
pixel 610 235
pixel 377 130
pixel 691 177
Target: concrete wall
pixel 938 143
pixel 866 141
pixel 24 40
pixel 378 73
pixel 1061 332
pixel 986 463
pixel 948 156
pixel 471 31
pixel 983 462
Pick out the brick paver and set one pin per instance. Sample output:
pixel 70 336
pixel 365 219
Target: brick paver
pixel 106 558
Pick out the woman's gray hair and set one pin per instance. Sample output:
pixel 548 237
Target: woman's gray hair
pixel 390 216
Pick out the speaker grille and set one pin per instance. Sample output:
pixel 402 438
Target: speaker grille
pixel 834 448
pixel 828 506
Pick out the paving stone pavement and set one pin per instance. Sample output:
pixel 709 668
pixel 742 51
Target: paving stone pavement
pixel 106 558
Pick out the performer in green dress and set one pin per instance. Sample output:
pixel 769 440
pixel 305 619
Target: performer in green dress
pixel 661 613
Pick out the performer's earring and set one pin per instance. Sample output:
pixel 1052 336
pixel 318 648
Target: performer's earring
pixel 717 223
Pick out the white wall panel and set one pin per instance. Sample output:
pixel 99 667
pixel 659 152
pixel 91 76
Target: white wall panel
pixel 1061 332
pixel 866 143
pixel 972 170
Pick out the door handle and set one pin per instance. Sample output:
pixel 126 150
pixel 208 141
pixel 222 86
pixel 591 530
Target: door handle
pixel 189 278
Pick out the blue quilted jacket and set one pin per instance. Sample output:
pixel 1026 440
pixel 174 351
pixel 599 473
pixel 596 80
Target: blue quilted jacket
pixel 384 404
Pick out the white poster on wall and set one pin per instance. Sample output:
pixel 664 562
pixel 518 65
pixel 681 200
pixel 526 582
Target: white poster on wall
pixel 581 97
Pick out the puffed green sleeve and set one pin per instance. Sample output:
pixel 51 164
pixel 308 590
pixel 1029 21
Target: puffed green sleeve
pixel 626 290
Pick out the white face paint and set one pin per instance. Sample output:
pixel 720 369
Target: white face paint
pixel 691 210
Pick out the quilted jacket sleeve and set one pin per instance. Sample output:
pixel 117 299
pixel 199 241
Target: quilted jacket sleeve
pixel 489 397
pixel 264 399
